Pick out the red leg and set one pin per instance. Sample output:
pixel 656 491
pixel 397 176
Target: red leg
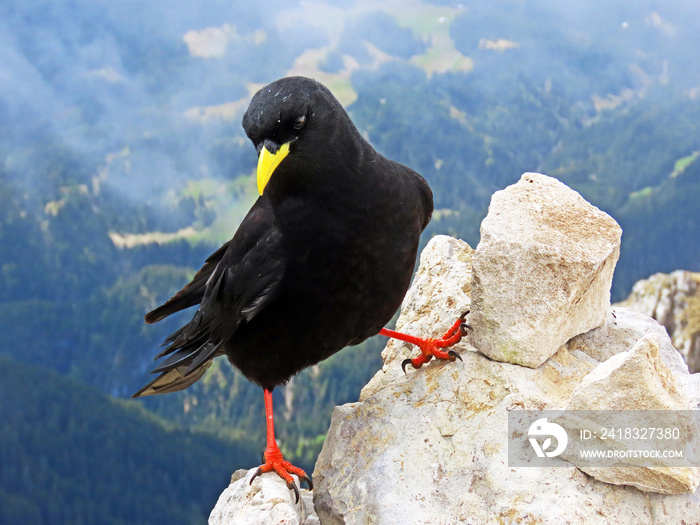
pixel 432 347
pixel 273 455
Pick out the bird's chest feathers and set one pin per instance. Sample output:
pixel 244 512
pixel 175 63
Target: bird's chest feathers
pixel 320 240
pixel 319 236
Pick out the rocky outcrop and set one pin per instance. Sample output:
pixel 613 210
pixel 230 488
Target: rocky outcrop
pixel 674 301
pixel 525 307
pixel 431 446
pixel 266 501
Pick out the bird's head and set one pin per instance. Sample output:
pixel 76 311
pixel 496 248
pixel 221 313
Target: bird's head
pixel 295 117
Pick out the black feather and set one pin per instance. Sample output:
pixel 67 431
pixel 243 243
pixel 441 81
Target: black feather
pixel 191 294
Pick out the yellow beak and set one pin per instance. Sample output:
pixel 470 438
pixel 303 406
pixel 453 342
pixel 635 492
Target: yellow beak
pixel 267 164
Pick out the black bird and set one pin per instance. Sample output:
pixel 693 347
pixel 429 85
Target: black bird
pixel 321 261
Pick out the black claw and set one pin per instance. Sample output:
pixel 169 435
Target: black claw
pixel 464 327
pixel 290 486
pixel 257 473
pixel 404 363
pixel 293 486
pixel 455 355
pixel 308 481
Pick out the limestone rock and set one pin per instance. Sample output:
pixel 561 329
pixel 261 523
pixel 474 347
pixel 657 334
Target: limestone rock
pixel 267 501
pixel 674 301
pixel 542 270
pixel 636 379
pixel 622 330
pixel 430 446
pixel 444 273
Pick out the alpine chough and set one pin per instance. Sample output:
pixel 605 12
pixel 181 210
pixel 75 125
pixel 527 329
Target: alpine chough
pixel 321 261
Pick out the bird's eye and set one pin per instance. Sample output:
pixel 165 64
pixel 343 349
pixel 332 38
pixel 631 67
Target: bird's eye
pixel 299 122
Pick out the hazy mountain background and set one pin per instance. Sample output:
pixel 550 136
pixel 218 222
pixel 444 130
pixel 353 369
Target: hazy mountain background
pixel 123 165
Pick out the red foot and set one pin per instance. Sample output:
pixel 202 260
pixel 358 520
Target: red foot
pixel 275 462
pixel 432 347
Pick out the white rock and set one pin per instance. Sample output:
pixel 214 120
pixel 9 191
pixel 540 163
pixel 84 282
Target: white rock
pixel 267 501
pixel 444 273
pixel 542 270
pixel 637 379
pixel 622 330
pixel 430 446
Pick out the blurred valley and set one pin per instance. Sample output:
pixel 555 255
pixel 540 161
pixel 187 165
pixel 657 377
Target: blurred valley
pixel 123 165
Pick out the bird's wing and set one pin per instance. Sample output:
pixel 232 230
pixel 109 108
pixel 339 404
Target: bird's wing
pixel 243 282
pixel 191 293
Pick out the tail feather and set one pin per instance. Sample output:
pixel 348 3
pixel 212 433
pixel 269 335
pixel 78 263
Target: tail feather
pixel 181 357
pixel 192 293
pixel 177 303
pixel 181 369
pixel 190 354
pixel 192 348
pixel 169 348
pixel 173 381
pixel 204 355
pixel 184 336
